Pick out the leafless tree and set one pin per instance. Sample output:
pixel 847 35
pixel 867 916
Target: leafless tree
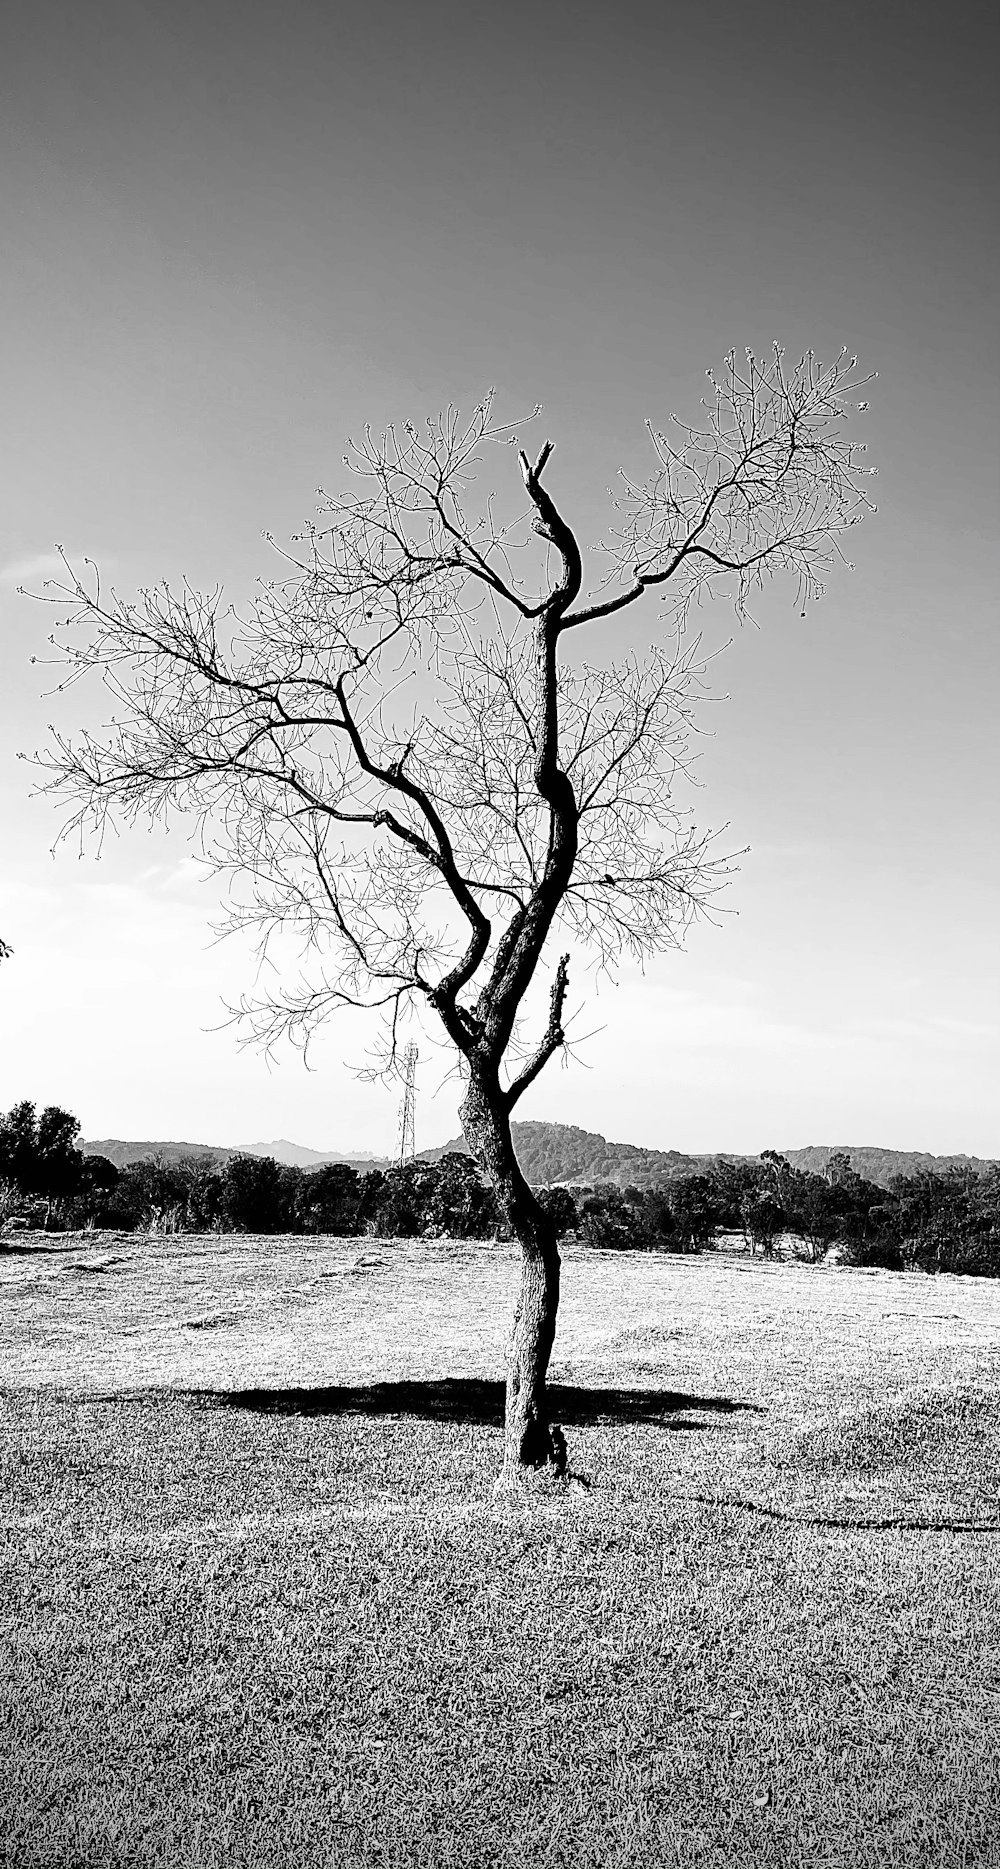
pixel 392 758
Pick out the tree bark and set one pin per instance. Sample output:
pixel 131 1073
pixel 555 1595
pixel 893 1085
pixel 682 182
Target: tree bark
pixel 531 1441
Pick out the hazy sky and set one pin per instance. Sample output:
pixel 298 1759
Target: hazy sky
pixel 232 235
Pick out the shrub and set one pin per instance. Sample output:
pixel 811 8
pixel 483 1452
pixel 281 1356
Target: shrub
pixel 251 1194
pixel 38 1154
pixel 763 1219
pixel 559 1205
pixel 457 1199
pixel 694 1212
pixel 948 1223
pixel 606 1218
pixel 10 1201
pixel 654 1219
pixel 328 1199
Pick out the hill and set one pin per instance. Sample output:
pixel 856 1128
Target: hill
pixel 551 1152
pixel 880 1165
pixel 289 1153
pixel 293 1155
pixel 122 1154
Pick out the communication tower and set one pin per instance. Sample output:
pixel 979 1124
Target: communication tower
pixel 408 1107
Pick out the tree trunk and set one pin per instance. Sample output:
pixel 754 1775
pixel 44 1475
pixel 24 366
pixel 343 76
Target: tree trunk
pixel 531 1442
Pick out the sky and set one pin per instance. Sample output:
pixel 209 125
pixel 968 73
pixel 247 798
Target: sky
pixel 231 236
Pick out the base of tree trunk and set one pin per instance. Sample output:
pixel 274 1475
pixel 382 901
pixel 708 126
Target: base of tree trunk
pixel 548 1482
pixel 552 1481
pixel 542 1479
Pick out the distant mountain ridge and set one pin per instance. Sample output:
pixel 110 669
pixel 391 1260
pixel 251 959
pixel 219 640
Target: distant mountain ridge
pixel 551 1152
pixel 879 1165
pixel 295 1156
pixel 291 1154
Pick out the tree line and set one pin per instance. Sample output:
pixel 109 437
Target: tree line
pixel 933 1221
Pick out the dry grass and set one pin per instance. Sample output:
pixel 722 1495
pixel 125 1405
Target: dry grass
pixel 263 1607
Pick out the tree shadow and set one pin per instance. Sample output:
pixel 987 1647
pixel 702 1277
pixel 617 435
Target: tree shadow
pixel 476 1403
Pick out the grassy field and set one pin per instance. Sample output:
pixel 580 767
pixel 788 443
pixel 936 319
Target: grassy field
pixel 261 1606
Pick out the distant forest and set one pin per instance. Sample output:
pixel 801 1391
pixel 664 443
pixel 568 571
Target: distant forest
pixel 944 1218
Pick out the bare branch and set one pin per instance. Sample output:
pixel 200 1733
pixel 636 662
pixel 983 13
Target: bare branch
pixel 767 484
pixel 550 525
pixel 554 1036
